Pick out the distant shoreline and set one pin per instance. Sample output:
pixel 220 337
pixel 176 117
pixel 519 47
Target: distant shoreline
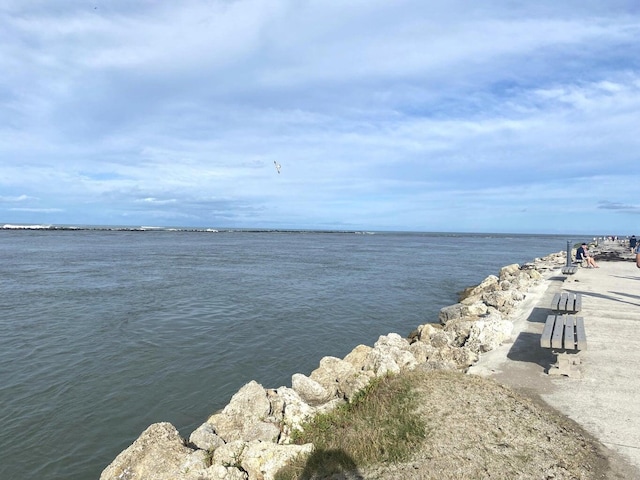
pixel 144 228
pixel 172 229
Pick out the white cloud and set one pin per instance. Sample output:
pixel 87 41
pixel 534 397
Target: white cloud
pixel 404 115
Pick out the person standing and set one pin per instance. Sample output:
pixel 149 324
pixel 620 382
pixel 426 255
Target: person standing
pixel 633 241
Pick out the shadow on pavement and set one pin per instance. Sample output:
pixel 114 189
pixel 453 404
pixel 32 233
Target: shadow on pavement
pixel 526 348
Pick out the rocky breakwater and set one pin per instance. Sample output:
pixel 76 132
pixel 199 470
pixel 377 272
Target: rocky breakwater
pixel 250 438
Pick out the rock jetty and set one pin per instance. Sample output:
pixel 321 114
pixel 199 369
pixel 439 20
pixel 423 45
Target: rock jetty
pixel 250 439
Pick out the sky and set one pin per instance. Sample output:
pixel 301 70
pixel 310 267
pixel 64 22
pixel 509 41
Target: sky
pixel 501 116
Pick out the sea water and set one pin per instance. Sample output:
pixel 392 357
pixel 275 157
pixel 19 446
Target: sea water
pixel 104 332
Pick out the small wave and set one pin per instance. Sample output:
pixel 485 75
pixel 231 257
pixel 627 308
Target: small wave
pixel 26 227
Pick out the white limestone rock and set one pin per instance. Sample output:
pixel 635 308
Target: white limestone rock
pixel 423 333
pixel 230 454
pixel 310 390
pixel 204 437
pixel 441 339
pixel 292 411
pixel 509 271
pixel 450 312
pixel 488 334
pixel 473 307
pixel 422 351
pixel 381 364
pixel 261 460
pixel 535 275
pixel 452 358
pixel 502 301
pixel 159 453
pixel 220 472
pixel 336 375
pixel 457 332
pixel 358 357
pixel 489 284
pixel 392 354
pixel 391 340
pixel 246 417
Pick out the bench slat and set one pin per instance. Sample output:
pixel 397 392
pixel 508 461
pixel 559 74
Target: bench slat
pixel 569 336
pixel 555 302
pixel 558 330
pixel 562 302
pixel 580 334
pixel 545 339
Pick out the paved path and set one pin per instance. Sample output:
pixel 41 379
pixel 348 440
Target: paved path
pixel 606 400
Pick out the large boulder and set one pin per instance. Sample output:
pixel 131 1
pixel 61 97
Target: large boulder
pixel 159 453
pixel 489 284
pixel 458 331
pixel 473 307
pixel 358 357
pixel 246 417
pixel 311 391
pixel 220 472
pixel 422 351
pixel 263 460
pixel 260 460
pixel 509 271
pixel 488 334
pixel 503 301
pixel 441 339
pixel 339 376
pixel 423 333
pixel 391 354
pixel 205 438
pixel 291 411
pixel 535 275
pixel 450 312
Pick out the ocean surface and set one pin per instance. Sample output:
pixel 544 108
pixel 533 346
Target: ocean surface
pixel 103 333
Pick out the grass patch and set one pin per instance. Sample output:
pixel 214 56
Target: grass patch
pixel 381 425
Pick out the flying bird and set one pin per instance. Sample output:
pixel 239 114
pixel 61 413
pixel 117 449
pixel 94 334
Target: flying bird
pixel 278 166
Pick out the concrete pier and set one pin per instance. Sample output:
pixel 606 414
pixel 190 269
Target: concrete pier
pixel 605 400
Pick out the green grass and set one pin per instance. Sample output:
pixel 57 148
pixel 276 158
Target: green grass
pixel 379 426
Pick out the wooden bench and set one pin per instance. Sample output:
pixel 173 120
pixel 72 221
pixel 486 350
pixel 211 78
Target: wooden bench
pixel 564 334
pixel 566 302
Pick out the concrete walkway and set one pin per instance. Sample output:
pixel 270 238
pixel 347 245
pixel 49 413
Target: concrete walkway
pixel 605 401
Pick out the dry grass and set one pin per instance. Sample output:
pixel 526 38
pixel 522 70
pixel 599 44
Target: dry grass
pixel 380 425
pixel 446 425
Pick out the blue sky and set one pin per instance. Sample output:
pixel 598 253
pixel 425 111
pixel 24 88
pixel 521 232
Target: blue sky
pixel 468 116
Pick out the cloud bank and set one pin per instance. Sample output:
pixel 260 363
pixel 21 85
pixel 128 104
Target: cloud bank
pixel 406 115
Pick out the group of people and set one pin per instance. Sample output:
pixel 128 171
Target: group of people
pixel 583 255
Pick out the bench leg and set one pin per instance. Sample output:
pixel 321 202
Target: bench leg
pixel 566 365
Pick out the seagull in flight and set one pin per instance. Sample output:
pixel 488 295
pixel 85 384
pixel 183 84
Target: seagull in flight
pixel 278 166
